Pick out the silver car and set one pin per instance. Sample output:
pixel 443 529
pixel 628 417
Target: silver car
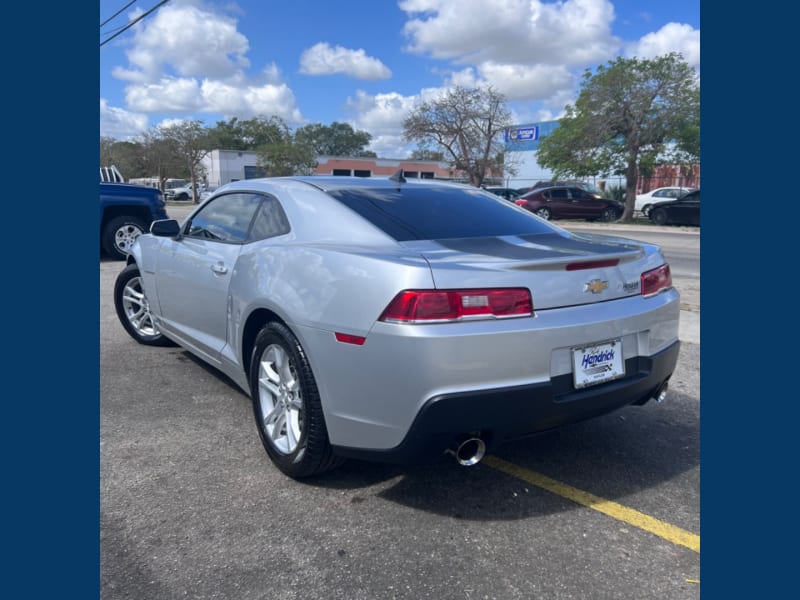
pixel 395 320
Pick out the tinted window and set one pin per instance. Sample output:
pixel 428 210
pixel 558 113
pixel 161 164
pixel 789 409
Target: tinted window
pixel 412 213
pixel 227 218
pixel 270 221
pixel 558 193
pixel 692 196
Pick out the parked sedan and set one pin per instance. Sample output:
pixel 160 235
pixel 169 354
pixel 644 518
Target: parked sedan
pixel 645 201
pixel 570 203
pixel 399 320
pixel 685 210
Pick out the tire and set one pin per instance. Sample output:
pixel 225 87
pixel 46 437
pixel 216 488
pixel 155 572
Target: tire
pixel 544 212
pixel 609 215
pixel 659 216
pixel 119 235
pixel 133 309
pixel 646 210
pixel 183 196
pixel 287 406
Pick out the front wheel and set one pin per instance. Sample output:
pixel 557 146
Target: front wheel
pixel 287 406
pixel 544 213
pixel 119 235
pixel 610 214
pixel 133 309
pixel 659 216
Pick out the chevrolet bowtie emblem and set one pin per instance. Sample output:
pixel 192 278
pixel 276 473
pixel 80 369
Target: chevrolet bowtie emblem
pixel 595 286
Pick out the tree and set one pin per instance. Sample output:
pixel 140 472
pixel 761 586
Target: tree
pixel 629 114
pixel 465 123
pixel 425 154
pixel 282 154
pixel 127 156
pixel 190 142
pixel 336 139
pixel 159 157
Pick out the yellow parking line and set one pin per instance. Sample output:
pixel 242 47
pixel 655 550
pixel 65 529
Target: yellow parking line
pixel 673 534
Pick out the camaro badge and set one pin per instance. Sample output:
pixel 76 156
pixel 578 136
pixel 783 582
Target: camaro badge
pixel 595 286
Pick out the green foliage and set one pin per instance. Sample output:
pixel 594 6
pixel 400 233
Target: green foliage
pixel 187 141
pixel 283 155
pixel 614 192
pixel 629 114
pixel 336 139
pixel 247 134
pixel 464 123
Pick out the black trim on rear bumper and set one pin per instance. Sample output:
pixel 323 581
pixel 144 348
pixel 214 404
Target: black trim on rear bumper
pixel 506 413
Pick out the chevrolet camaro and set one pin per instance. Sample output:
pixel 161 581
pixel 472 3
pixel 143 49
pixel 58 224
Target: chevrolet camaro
pixel 396 320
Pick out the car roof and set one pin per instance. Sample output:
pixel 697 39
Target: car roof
pixel 334 182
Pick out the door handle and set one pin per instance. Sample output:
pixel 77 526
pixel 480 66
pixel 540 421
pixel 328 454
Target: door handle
pixel 219 268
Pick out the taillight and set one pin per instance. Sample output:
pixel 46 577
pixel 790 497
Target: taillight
pixel 520 202
pixel 657 280
pixel 441 306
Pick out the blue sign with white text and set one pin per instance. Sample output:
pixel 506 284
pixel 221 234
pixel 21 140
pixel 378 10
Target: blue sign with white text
pixel 522 134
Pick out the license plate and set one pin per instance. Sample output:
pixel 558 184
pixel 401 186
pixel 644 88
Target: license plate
pixel 597 363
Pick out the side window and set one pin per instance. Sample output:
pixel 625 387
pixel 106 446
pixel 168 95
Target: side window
pixel 558 193
pixel 270 220
pixel 227 218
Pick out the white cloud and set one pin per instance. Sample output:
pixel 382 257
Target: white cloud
pixel 672 37
pixel 190 41
pixel 382 116
pixel 186 59
pixel 119 123
pixel 323 59
pixel 528 50
pixel 190 96
pixel 573 32
pixel 525 82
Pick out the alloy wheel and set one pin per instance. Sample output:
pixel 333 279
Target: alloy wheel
pixel 280 399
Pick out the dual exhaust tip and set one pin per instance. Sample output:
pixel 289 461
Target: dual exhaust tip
pixel 469 451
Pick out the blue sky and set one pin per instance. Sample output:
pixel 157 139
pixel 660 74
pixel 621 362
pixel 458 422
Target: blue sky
pixel 366 62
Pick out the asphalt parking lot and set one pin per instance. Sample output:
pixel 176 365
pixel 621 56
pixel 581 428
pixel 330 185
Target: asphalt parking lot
pixel 192 508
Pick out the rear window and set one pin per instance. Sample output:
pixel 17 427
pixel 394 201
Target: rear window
pixel 438 213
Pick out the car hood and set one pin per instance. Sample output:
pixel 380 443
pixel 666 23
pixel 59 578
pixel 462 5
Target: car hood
pixel 559 269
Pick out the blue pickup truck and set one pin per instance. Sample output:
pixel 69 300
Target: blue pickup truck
pixel 126 212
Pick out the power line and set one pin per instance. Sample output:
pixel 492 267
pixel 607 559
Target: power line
pixel 116 13
pixel 132 23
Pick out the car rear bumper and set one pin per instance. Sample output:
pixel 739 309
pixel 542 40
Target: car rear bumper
pixel 497 415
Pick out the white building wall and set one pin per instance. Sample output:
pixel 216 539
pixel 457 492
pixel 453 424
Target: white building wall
pixel 224 166
pixel 529 171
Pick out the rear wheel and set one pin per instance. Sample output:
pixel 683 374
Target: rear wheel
pixel 544 213
pixel 287 406
pixel 119 235
pixel 659 216
pixel 133 309
pixel 646 210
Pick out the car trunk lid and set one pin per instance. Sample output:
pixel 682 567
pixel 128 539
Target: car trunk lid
pixel 559 269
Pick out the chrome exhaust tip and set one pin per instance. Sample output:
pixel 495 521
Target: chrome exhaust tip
pixel 661 394
pixel 469 452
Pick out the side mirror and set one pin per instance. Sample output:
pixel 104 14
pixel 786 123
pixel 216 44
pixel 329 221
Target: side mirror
pixel 165 228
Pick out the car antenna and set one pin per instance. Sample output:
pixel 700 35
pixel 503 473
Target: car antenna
pixel 398 176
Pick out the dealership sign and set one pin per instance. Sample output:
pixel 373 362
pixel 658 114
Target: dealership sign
pixel 522 134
